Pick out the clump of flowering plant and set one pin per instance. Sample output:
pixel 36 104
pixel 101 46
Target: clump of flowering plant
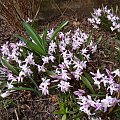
pixel 58 60
pixel 104 18
pixel 105 83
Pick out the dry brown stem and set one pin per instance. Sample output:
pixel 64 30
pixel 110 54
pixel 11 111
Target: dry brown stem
pixel 13 11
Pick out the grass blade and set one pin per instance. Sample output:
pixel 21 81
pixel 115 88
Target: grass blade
pixel 21 88
pixel 32 46
pixel 34 83
pixel 99 39
pixel 88 84
pixel 44 39
pixel 32 33
pixel 9 66
pixel 89 39
pixel 64 117
pixel 88 76
pixel 58 29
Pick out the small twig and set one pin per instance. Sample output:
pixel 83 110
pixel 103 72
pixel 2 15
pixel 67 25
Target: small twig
pixel 35 100
pixel 47 113
pixel 16 114
pixel 58 7
pixel 37 11
pixel 107 61
pixel 66 8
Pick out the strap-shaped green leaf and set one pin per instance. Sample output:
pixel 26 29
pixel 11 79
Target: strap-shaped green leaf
pixel 89 77
pixel 33 34
pixel 9 66
pixel 44 39
pixel 32 46
pixel 21 88
pixel 58 29
pixel 89 39
pixel 88 84
pixel 58 112
pixel 97 95
pixel 34 83
pixel 51 73
pixel 64 117
pixel 99 39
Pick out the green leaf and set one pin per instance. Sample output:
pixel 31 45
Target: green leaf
pixel 24 52
pixel 99 39
pixel 34 83
pixel 44 39
pixel 97 95
pixel 32 46
pixel 51 73
pixel 89 39
pixel 9 66
pixel 88 76
pixel 116 9
pixel 118 41
pixel 58 29
pixel 117 110
pixel 59 112
pixel 21 88
pixel 64 117
pixel 70 112
pixel 88 84
pixel 32 33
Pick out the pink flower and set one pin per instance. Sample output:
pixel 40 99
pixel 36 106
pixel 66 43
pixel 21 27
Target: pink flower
pixel 97 12
pixel 26 69
pixel 30 60
pixel 97 75
pixel 6 94
pixel 5 49
pixel 80 92
pixel 64 75
pixel 116 72
pixel 50 32
pixel 41 68
pixel 52 47
pixel 64 86
pixel 45 60
pixel 108 102
pixel 44 86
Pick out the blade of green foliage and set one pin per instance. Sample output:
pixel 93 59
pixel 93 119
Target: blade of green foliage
pixel 116 110
pixel 32 46
pixel 70 112
pixel 44 38
pixel 79 56
pixel 58 112
pixel 51 73
pixel 64 117
pixel 118 41
pixel 21 88
pixel 118 53
pixel 33 81
pixel 24 52
pixel 58 29
pixel 9 66
pixel 99 39
pixel 32 33
pixel 89 39
pixel 112 9
pixel 88 84
pixel 97 95
pixel 116 9
pixel 88 76
pixel 76 117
